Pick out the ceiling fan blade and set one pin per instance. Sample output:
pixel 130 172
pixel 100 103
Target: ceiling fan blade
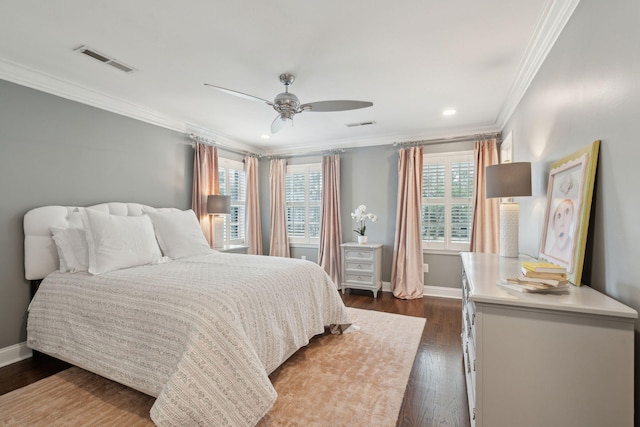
pixel 279 123
pixel 239 94
pixel 324 106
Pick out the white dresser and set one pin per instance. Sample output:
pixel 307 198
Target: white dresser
pixel 361 266
pixel 543 359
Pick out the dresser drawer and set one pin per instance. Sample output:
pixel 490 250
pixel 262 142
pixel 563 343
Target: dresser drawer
pixel 358 254
pixel 465 287
pixel 470 320
pixel 469 331
pixel 362 278
pixel 470 364
pixel 359 265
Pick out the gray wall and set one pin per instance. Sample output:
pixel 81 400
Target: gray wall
pixel 369 176
pixel 59 152
pixel 588 89
pixel 56 151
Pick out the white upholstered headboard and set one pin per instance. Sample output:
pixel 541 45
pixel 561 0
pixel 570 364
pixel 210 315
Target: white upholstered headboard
pixel 40 254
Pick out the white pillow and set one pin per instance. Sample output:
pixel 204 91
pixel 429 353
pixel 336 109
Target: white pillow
pixel 72 248
pixel 179 233
pixel 74 220
pixel 116 241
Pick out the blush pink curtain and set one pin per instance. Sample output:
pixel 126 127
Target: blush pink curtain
pixel 205 183
pixel 407 276
pixel 330 225
pixel 485 231
pixel 253 235
pixel 279 242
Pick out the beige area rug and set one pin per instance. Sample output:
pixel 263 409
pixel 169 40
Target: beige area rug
pixel 355 379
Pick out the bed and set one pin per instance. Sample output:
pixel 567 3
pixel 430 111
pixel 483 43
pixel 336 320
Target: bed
pixel 200 330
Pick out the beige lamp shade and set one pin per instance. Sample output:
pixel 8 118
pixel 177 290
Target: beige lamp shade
pixel 218 204
pixel 508 180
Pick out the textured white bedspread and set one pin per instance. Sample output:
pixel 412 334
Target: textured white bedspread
pixel 202 334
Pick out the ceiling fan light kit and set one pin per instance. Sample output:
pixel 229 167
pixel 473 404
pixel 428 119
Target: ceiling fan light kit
pixel 287 104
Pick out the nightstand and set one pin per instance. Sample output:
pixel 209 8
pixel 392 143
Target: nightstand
pixel 361 267
pixel 234 249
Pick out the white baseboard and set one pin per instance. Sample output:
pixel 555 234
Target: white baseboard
pixel 442 292
pixel 432 291
pixel 14 353
pixel 386 287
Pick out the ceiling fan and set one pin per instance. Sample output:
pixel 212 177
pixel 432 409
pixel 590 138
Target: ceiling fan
pixel 287 104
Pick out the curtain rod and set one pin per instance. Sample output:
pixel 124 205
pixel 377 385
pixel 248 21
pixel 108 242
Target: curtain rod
pixel 212 142
pixel 447 140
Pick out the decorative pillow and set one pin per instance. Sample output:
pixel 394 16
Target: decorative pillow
pixel 179 233
pixel 74 220
pixel 116 241
pixel 72 248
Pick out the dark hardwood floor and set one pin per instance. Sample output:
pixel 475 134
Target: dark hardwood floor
pixel 435 394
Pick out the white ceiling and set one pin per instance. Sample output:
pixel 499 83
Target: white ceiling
pixel 411 58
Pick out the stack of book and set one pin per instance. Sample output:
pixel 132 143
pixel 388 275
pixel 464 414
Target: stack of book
pixel 539 276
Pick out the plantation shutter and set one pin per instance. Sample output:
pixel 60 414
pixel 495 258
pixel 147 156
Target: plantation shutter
pixel 233 183
pixel 447 194
pixel 303 196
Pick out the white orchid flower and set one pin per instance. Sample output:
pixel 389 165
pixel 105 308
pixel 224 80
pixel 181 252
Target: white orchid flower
pixel 360 215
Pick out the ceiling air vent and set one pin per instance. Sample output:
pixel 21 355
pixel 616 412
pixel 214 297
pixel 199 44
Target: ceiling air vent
pixel 352 125
pixel 104 58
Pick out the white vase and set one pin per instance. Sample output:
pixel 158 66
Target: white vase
pixel 362 239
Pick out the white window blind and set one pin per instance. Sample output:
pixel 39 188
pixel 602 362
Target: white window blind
pixel 303 195
pixel 447 197
pixel 233 183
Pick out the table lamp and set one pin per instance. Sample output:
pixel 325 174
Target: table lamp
pixel 218 205
pixel 508 180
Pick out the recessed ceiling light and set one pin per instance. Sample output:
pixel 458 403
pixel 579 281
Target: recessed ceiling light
pixel 265 136
pixel 449 112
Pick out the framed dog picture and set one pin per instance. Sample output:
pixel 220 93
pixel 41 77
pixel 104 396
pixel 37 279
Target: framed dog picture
pixel 566 223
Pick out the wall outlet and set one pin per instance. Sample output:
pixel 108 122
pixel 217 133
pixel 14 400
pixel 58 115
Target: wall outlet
pixel 303 257
pixel 425 268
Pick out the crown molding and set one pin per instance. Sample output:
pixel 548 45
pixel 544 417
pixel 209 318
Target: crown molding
pixel 47 83
pixel 34 79
pixel 548 28
pixel 556 15
pixel 304 148
pixel 222 141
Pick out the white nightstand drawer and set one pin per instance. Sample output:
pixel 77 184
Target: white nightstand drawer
pixel 361 267
pixel 358 265
pixel 358 254
pixel 359 278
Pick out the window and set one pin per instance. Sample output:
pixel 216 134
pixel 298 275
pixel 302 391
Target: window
pixel 303 194
pixel 233 183
pixel 447 196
